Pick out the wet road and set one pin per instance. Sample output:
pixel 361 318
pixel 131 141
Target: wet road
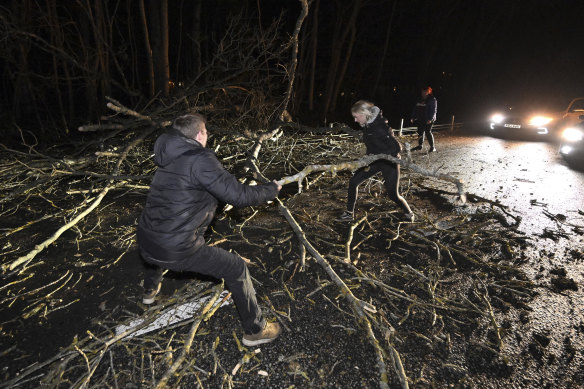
pixel 528 177
pixel 534 182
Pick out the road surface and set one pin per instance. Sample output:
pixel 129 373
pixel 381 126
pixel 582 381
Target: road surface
pixel 528 177
pixel 534 182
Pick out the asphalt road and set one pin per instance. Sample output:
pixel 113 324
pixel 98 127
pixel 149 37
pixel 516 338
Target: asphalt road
pixel 533 181
pixel 529 177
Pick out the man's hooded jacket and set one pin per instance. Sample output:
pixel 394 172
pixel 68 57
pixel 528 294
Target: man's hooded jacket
pixel 184 193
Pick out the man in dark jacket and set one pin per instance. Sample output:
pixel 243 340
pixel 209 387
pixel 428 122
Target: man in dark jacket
pixel 424 115
pixel 181 204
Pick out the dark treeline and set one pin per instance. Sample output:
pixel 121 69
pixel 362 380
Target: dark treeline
pixel 60 59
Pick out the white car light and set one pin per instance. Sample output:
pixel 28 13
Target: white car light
pixel 539 120
pixel 566 149
pixel 497 118
pixel 573 134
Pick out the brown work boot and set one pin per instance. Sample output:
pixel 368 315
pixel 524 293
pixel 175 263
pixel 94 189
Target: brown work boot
pixel 270 332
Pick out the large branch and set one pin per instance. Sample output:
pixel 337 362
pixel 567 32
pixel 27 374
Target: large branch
pixel 358 306
pixel 367 160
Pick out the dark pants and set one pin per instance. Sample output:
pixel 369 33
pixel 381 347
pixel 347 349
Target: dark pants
pixel 425 129
pixel 390 173
pixel 218 263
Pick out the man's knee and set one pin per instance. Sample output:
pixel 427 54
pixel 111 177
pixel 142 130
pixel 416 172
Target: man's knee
pixel 232 265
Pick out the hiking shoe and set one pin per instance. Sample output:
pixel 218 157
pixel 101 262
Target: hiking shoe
pixel 150 295
pixel 345 216
pixel 417 148
pixel 270 332
pixel 432 149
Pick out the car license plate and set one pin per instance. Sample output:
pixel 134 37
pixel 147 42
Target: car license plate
pixel 512 125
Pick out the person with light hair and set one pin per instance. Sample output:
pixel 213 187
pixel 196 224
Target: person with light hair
pixel 378 139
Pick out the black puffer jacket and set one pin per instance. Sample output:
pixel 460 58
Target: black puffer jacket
pixel 378 137
pixel 183 197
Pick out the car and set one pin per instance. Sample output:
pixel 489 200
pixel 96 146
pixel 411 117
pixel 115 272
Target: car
pixel 516 121
pixel 572 141
pixel 572 114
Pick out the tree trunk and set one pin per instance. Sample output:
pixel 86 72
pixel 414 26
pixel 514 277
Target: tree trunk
pixel 313 59
pixel 339 83
pixel 197 36
pixel 25 96
pixel 158 26
pixel 148 49
pixel 57 41
pixel 165 63
pixel 385 47
pixel 102 69
pixel 294 57
pixel 334 82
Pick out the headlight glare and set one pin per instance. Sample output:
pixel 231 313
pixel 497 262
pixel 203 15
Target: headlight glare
pixel 539 120
pixel 497 118
pixel 572 134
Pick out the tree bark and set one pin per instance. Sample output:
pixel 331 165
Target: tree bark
pixel 313 59
pixel 165 63
pixel 148 48
pixel 340 38
pixel 385 47
pixel 294 58
pixel 197 36
pixel 339 83
pixel 158 27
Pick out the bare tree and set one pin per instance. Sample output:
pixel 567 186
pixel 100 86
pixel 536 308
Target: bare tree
pixel 148 48
pixel 158 31
pixel 314 46
pixel 343 40
pixel 381 69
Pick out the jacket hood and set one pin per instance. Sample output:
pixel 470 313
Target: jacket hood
pixel 375 112
pixel 170 146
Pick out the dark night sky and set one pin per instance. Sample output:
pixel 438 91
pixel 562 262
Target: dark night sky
pixel 475 53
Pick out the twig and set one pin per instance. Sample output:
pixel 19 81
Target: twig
pixel 203 316
pixel 350 238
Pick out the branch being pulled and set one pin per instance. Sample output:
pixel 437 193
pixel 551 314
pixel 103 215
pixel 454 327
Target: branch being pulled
pixel 367 160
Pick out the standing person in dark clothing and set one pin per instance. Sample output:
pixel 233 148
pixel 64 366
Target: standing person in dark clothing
pixel 424 115
pixel 181 204
pixel 378 139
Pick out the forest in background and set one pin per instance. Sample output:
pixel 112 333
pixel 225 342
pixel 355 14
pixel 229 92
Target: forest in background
pixel 60 60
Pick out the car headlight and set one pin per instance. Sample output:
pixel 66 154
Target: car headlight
pixel 572 134
pixel 497 118
pixel 540 120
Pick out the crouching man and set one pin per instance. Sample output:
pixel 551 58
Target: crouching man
pixel 181 204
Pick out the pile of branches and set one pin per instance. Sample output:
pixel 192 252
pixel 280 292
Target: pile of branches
pixel 443 283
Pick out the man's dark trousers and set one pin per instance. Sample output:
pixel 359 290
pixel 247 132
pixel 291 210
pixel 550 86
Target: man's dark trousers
pixel 425 129
pixel 218 263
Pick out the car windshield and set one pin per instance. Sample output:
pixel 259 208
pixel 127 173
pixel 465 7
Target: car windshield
pixel 525 109
pixel 577 106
